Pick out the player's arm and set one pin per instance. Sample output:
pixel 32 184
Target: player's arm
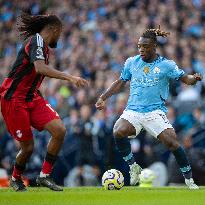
pixel 36 56
pixel 116 85
pixel 48 71
pixel 177 73
pixel 191 79
pixel 115 88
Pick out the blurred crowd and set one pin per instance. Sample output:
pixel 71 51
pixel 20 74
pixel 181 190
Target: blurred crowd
pixel 98 36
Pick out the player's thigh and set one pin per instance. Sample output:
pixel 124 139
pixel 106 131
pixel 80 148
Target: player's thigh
pixel 17 119
pixel 155 123
pixel 123 128
pixel 128 124
pixel 42 113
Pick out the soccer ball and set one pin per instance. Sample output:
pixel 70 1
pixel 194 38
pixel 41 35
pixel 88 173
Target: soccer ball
pixel 112 179
pixel 146 178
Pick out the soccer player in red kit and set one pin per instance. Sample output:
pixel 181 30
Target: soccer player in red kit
pixel 22 104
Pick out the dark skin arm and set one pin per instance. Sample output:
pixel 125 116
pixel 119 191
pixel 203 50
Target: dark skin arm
pixel 115 88
pixel 191 79
pixel 49 71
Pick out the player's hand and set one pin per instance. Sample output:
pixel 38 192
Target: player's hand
pixel 78 82
pixel 100 104
pixel 198 76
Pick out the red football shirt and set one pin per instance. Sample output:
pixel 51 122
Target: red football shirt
pixel 22 81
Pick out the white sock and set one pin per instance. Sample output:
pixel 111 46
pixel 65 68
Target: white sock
pixel 43 175
pixel 13 179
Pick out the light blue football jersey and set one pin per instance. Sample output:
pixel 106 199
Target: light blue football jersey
pixel 149 82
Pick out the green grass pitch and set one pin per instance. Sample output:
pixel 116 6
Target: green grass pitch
pixel 98 196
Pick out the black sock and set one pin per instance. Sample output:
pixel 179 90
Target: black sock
pixel 18 171
pixel 50 158
pixel 183 162
pixel 124 148
pixel 21 167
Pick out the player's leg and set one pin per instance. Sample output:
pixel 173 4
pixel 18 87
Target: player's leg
pixel 169 139
pixel 44 117
pixel 157 124
pixel 17 120
pixel 23 156
pixel 124 127
pixel 121 130
pixel 57 131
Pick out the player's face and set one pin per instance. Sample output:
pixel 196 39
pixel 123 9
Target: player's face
pixel 147 49
pixel 55 37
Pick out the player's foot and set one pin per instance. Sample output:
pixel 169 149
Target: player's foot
pixel 190 183
pixel 48 182
pixel 17 185
pixel 135 171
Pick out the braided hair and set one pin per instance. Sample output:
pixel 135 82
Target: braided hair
pixel 153 33
pixel 29 25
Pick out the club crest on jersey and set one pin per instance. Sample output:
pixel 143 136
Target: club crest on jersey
pixel 146 70
pixel 156 70
pixel 19 133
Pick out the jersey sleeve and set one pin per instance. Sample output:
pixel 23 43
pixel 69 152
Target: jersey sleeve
pixel 125 73
pixel 36 49
pixel 174 72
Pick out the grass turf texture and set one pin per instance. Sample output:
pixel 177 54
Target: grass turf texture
pixel 98 196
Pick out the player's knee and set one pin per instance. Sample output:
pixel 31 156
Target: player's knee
pixel 119 132
pixel 61 131
pixel 28 150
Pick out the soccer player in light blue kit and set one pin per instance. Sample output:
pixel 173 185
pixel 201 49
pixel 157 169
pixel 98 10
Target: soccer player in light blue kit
pixel 149 75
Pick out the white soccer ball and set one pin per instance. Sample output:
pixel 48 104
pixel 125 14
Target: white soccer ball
pixel 112 179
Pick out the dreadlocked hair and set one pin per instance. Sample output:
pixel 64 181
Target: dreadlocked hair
pixel 153 33
pixel 29 25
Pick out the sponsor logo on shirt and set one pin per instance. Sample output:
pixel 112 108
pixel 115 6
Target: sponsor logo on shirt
pixel 146 81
